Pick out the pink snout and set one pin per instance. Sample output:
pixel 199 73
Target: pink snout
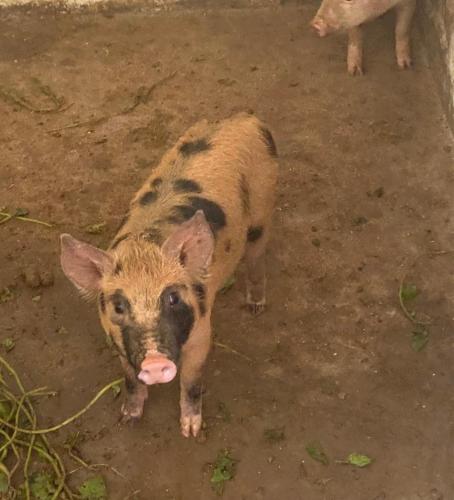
pixel 320 26
pixel 157 369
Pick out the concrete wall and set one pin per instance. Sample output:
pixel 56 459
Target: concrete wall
pixel 436 19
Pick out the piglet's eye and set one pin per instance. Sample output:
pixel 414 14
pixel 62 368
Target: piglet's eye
pixel 120 303
pixel 119 308
pixel 174 298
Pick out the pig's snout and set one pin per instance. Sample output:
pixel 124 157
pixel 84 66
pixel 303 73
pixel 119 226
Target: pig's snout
pixel 319 26
pixel 157 369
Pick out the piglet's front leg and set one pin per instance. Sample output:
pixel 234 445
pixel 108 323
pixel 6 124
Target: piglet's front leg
pixel 355 51
pixel 194 354
pixel 404 16
pixel 136 394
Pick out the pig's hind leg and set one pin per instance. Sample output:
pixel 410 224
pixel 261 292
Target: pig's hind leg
pixel 136 394
pixel 355 51
pixel 257 239
pixel 404 15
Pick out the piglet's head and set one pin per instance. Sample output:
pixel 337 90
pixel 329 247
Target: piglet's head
pixel 341 15
pixel 150 298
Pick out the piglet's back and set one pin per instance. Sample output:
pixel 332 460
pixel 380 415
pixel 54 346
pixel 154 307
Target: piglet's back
pixel 227 169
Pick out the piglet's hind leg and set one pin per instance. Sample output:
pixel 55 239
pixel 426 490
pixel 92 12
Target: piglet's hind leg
pixel 256 269
pixel 404 16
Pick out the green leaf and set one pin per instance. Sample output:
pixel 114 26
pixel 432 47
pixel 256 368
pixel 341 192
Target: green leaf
pixel 6 295
pixel 408 291
pixel 8 344
pixel 93 489
pixel 220 476
pixel 223 470
pixel 316 452
pixel 42 486
pixel 228 284
pixel 96 228
pixel 419 339
pixel 274 435
pixel 379 192
pixel 360 220
pixel 21 212
pixel 358 460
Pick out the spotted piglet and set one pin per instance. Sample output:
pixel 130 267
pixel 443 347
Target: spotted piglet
pixel 208 203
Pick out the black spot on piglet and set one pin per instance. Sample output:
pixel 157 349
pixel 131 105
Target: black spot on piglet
pixel 269 141
pixel 186 186
pixel 195 393
pixel 214 214
pixel 194 147
pixel 244 194
pixel 200 292
pixel 175 323
pixel 152 234
pixel 102 302
pixel 254 233
pixel 148 197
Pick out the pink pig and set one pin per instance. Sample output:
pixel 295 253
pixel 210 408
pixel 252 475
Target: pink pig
pixel 348 15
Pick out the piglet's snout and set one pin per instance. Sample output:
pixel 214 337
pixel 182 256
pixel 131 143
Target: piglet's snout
pixel 157 369
pixel 319 26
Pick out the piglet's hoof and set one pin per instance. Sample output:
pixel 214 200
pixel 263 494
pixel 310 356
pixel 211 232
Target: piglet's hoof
pixel 190 425
pixel 129 414
pixel 256 308
pixel 404 62
pixel 355 68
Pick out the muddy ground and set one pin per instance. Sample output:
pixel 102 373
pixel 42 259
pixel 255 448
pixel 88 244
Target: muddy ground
pixel 366 187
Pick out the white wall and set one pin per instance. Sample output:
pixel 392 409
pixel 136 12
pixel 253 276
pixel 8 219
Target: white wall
pixel 437 22
pixel 79 3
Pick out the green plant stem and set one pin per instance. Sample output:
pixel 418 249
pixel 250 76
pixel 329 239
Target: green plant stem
pixel 7 216
pixel 68 420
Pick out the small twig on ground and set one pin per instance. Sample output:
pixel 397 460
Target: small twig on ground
pixel 92 122
pixel 233 351
pixel 142 96
pixel 95 467
pixel 15 98
pixel 133 494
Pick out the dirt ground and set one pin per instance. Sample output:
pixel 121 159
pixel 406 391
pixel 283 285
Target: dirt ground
pixel 366 187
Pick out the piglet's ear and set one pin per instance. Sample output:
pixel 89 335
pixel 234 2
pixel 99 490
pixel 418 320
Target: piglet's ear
pixel 83 264
pixel 192 244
